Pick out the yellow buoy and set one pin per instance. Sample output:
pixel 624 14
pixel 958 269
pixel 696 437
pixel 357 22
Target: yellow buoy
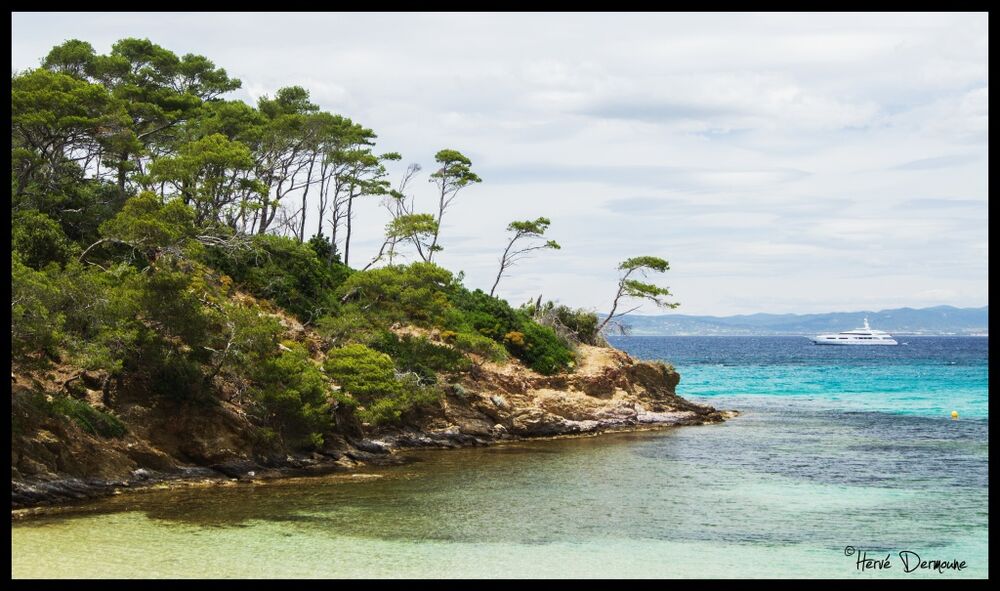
pixel 954 415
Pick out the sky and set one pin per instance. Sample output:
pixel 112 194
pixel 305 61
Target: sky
pixel 784 163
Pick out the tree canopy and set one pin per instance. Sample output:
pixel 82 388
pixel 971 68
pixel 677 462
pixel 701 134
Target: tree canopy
pixel 529 233
pixel 159 236
pixel 629 288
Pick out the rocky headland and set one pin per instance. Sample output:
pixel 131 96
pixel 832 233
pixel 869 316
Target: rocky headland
pixel 54 460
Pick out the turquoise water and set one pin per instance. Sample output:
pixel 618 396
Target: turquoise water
pixel 834 448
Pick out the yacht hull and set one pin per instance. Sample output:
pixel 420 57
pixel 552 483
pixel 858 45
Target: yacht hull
pixel 853 343
pixel 862 337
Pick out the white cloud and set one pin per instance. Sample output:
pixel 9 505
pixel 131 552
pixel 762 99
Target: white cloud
pixel 781 162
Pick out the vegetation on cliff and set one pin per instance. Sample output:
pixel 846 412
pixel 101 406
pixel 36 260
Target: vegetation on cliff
pixel 159 243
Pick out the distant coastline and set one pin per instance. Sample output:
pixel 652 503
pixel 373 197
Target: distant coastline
pixel 934 321
pixel 805 336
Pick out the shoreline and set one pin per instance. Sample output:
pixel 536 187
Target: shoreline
pixel 85 491
pixel 173 444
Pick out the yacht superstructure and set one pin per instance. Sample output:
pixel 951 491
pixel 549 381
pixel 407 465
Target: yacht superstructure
pixel 858 336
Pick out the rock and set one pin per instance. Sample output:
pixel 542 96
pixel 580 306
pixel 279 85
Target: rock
pixel 148 457
pixel 94 380
pixel 235 468
pixel 499 401
pixel 371 446
pixel 31 467
pixel 536 422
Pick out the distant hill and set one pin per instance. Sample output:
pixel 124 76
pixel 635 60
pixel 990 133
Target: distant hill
pixel 939 320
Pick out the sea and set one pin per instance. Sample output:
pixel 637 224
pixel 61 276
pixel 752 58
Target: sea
pixel 844 462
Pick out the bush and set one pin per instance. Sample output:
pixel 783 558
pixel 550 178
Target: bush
pixel 416 294
pixel 36 322
pixel 539 347
pixel 477 344
pixel 89 418
pixel 174 299
pixel 245 337
pixel 350 325
pixel 148 224
pixel 172 373
pixel 285 272
pixel 390 410
pixel 39 240
pixel 419 355
pixel 78 207
pixel 582 323
pixel 382 412
pixel 292 396
pixel 480 313
pixel 91 314
pixel 370 376
pixel 363 372
pixel 426 295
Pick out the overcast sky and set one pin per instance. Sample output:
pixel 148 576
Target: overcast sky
pixel 781 163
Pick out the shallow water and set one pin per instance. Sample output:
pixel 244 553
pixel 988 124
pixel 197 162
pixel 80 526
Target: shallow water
pixel 829 452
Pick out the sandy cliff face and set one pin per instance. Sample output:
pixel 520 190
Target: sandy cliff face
pixel 54 460
pixel 608 390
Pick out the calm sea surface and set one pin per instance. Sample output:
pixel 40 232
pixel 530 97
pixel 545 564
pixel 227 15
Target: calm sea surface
pixel 836 447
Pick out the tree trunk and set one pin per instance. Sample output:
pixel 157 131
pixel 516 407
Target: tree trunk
pixel 324 194
pixel 121 176
pixel 262 226
pixel 614 307
pixel 437 230
pixel 503 263
pixel 333 230
pixel 347 237
pixel 305 195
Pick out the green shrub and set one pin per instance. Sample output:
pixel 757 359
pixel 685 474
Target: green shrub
pixel 539 347
pixel 173 373
pixel 583 323
pixel 245 336
pixel 477 344
pixel 30 409
pixel 174 299
pixel 39 240
pixel 477 312
pixel 390 410
pixel 146 223
pixel 370 376
pixel 349 325
pixel 415 294
pixel 542 349
pixel 36 321
pixel 382 412
pixel 89 418
pixel 78 206
pixel 421 356
pixel 363 372
pixel 292 396
pixel 285 272
pixel 323 248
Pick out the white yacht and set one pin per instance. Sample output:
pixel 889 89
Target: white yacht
pixel 858 336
